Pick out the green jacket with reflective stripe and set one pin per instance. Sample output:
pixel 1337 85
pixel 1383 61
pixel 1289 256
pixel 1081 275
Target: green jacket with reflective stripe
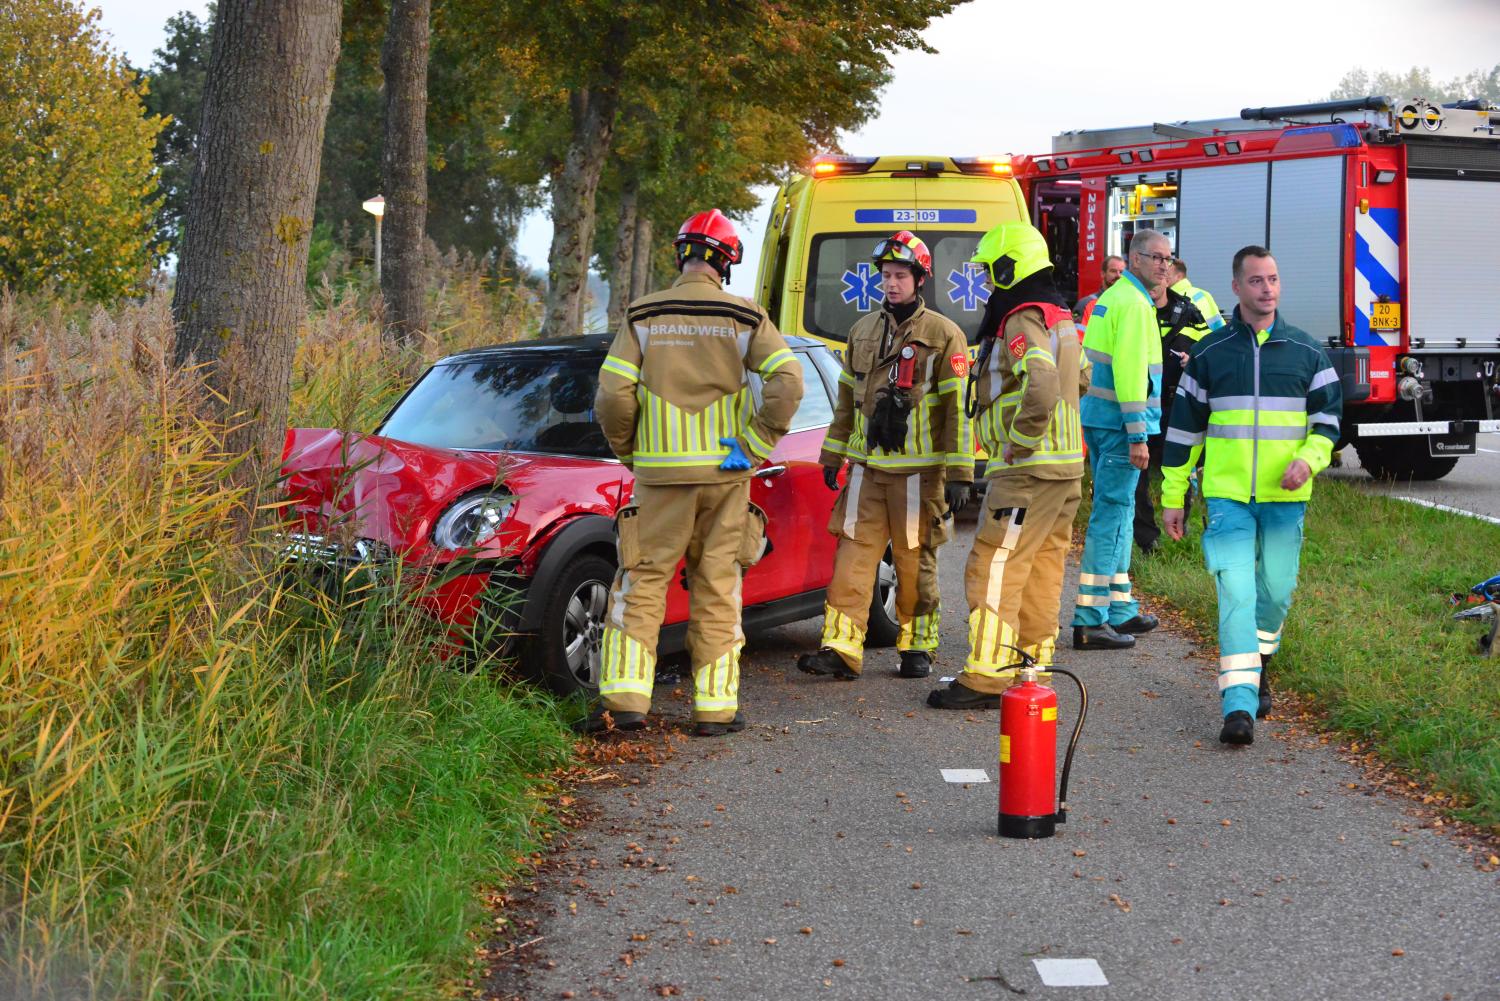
pixel 1252 402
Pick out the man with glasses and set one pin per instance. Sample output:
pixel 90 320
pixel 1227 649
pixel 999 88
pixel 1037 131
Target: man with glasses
pixel 900 424
pixel 1120 411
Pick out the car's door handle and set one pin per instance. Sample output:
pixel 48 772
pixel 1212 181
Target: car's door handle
pixel 767 472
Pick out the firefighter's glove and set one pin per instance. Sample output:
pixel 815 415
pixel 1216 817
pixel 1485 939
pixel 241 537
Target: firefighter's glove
pixel 957 496
pixel 736 461
pixel 831 477
pixel 889 422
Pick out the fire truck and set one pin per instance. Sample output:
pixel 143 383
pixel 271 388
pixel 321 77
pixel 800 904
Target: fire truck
pixel 1383 216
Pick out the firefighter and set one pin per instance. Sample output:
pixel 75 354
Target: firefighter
pixel 1120 411
pixel 1262 403
pixel 1024 394
pixel 900 425
pixel 674 401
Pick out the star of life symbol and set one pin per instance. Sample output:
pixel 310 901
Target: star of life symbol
pixel 862 286
pixel 968 286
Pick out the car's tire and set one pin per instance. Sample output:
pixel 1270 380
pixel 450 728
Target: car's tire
pixel 564 652
pixel 1403 458
pixel 884 627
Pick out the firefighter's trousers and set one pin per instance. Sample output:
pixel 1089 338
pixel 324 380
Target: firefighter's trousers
pixel 876 509
pixel 1015 575
pixel 1253 551
pixel 1104 572
pixel 713 526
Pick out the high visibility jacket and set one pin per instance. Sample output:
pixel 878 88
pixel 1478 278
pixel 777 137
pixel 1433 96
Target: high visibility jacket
pixel 1211 319
pixel 1256 400
pixel 938 434
pixel 676 380
pixel 1123 343
pixel 1026 385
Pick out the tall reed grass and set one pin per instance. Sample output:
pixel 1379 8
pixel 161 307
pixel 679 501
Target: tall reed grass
pixel 216 781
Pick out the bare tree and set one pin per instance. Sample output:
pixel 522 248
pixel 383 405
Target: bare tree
pixel 404 166
pixel 240 286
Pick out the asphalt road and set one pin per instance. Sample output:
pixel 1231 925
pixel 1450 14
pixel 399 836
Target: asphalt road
pixel 1474 484
pixel 821 854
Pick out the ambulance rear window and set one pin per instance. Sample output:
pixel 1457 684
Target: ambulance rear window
pixel 843 284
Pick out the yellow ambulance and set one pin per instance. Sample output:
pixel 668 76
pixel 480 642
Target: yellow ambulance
pixel 816 277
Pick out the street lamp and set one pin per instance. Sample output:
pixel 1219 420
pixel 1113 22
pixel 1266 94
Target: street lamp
pixel 376 207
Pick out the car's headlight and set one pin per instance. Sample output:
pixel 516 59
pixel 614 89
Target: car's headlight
pixel 472 521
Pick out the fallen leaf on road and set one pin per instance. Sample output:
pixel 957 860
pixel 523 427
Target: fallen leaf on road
pixel 1225 823
pixel 805 929
pixel 838 962
pixel 1120 902
pixel 963 931
pixel 769 941
pixel 916 886
pixel 1079 853
pixel 1398 952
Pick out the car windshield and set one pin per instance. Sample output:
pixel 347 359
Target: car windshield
pixel 541 402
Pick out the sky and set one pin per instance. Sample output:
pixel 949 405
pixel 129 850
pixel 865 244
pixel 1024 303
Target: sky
pixel 1006 77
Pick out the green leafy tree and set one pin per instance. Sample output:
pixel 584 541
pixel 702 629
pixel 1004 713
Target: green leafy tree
pixel 1419 82
pixel 76 177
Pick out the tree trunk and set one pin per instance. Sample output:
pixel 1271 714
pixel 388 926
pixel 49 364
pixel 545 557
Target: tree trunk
pixel 403 59
pixel 239 297
pixel 574 186
pixel 640 269
pixel 622 267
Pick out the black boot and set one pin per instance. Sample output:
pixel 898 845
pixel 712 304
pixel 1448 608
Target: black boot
pixel 1100 637
pixel 827 662
pixel 1264 709
pixel 915 664
pixel 1142 623
pixel 1239 728
pixel 957 696
pixel 705 728
pixel 604 720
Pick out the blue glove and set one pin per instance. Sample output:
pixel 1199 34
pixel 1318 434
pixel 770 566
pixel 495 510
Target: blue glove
pixel 736 461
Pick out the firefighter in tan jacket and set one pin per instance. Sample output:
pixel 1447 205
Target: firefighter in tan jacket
pixel 1024 393
pixel 900 425
pixel 674 401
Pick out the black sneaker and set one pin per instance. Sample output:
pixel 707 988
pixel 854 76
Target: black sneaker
pixel 603 720
pixel 1100 638
pixel 1142 623
pixel 1264 709
pixel 704 728
pixel 957 696
pixel 826 662
pixel 1239 728
pixel 915 664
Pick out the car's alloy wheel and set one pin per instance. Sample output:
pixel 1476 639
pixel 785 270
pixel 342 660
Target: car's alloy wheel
pixel 583 631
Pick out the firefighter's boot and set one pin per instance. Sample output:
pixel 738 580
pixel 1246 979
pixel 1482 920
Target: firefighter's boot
pixel 825 662
pixel 604 720
pixel 915 664
pixel 706 728
pixel 957 696
pixel 1239 728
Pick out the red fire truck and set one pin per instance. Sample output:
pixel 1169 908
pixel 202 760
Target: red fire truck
pixel 1384 216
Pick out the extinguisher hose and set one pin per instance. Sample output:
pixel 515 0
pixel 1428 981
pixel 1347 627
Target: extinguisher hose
pixel 1083 711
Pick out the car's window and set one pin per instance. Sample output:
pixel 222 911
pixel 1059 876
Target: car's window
pixel 816 408
pixel 514 402
pixel 843 284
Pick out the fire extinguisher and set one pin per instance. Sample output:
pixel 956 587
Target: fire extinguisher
pixel 1028 754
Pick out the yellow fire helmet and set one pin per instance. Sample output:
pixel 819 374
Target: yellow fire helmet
pixel 1012 251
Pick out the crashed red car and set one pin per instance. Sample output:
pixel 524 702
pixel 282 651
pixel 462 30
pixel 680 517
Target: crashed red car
pixel 490 476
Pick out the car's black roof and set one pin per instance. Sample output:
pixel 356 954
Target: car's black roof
pixel 588 344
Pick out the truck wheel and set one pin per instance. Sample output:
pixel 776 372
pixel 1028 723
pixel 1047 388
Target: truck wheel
pixel 883 627
pixel 1403 459
pixel 564 654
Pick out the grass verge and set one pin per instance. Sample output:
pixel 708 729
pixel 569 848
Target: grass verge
pixel 1370 638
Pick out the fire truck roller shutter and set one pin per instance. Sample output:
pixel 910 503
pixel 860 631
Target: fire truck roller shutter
pixel 1220 210
pixel 1452 258
pixel 1307 204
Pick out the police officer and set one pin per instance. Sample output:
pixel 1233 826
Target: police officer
pixel 900 424
pixel 674 382
pixel 1121 409
pixel 1262 403
pixel 1024 394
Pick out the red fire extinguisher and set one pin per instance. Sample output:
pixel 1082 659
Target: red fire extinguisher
pixel 1028 754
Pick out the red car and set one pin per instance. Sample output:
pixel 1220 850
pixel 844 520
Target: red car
pixel 490 475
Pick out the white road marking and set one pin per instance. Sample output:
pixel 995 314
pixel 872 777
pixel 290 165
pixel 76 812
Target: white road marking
pixel 1070 972
pixel 1491 451
pixel 1445 507
pixel 957 775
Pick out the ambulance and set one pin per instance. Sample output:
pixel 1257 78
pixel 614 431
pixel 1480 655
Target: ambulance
pixel 816 277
